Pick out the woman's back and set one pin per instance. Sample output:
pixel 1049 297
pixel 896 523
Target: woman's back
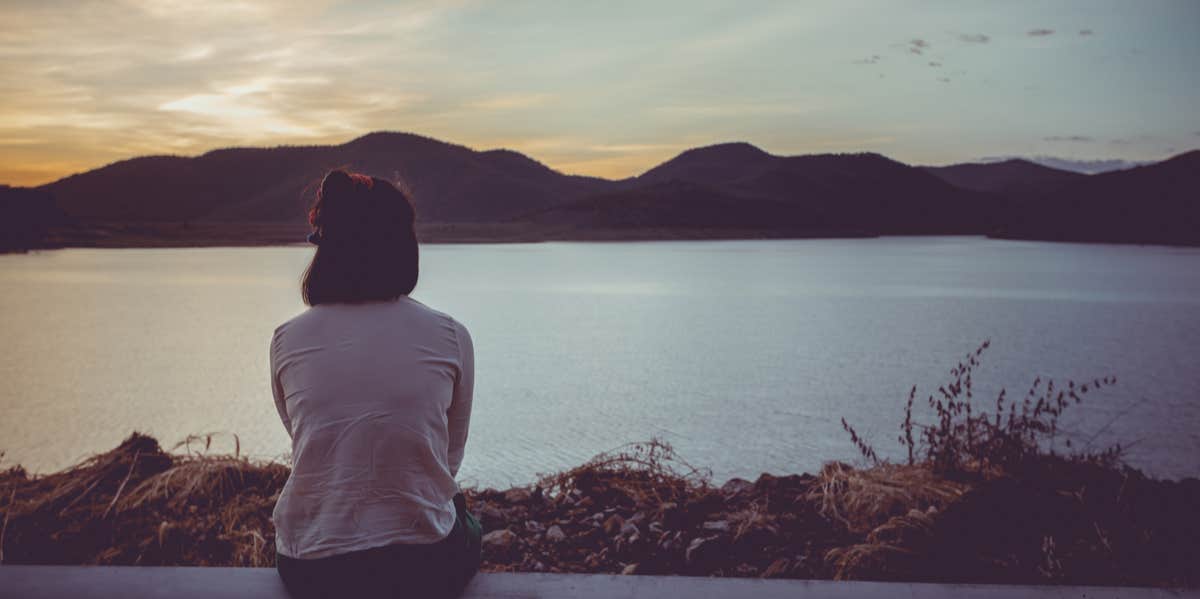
pixel 376 396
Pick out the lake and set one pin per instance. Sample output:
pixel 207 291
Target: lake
pixel 744 355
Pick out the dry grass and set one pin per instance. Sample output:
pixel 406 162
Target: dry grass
pixel 863 499
pixel 649 472
pixel 138 504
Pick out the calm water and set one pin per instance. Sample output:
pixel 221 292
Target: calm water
pixel 743 354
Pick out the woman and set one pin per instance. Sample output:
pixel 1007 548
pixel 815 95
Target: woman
pixel 375 390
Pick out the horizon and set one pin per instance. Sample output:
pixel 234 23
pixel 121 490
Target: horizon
pixel 607 92
pixel 1082 165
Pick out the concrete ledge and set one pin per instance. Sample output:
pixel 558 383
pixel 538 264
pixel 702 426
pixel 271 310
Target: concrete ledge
pixel 47 582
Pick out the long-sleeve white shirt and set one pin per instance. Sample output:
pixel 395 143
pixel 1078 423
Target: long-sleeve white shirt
pixel 377 399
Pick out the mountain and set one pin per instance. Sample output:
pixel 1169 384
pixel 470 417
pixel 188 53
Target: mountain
pixel 737 185
pixel 1010 178
pixel 1083 167
pixel 450 183
pixel 1158 203
pixel 261 195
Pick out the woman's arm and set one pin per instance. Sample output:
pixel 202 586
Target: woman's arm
pixel 458 417
pixel 276 387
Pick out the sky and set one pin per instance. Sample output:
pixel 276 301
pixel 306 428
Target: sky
pixel 598 88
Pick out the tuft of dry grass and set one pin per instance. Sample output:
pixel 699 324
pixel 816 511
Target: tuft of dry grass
pixel 648 472
pixel 863 499
pixel 138 504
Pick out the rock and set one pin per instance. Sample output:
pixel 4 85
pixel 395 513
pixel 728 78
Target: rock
pixel 656 527
pixel 500 540
pixel 735 486
pixel 638 517
pixel 744 570
pixel 585 502
pixel 695 548
pixel 534 526
pixel 517 495
pixel 629 529
pixel 717 526
pixel 555 534
pixel 630 569
pixel 613 524
pixel 490 515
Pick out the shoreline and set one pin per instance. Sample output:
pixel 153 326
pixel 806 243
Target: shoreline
pixel 215 234
pixel 642 510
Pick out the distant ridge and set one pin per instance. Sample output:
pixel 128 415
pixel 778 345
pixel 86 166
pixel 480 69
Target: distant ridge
pixel 739 185
pixel 450 182
pixel 1159 203
pixel 1074 165
pixel 1014 177
pixel 260 195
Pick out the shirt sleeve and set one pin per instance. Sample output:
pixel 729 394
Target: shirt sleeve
pixel 276 387
pixel 458 417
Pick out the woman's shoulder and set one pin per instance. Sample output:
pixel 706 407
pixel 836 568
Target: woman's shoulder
pixel 436 314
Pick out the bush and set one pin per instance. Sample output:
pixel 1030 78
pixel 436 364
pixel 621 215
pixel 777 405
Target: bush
pixel 964 440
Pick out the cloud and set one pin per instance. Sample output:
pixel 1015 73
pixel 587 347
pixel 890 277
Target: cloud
pixel 510 102
pixel 1073 164
pixel 738 109
pixel 918 46
pixel 974 38
pixel 1070 138
pixel 1086 32
pixel 872 59
pixel 1040 32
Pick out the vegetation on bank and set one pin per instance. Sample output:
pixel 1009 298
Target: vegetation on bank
pixel 981 497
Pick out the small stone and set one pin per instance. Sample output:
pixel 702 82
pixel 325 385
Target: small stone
pixel 555 534
pixel 629 529
pixel 638 517
pixel 718 526
pixel 630 569
pixel 517 495
pixel 613 524
pixel 694 548
pixel 585 502
pixel 656 527
pixel 735 486
pixel 499 539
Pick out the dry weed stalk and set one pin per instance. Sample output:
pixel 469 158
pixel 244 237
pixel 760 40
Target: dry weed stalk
pixel 647 472
pixel 964 440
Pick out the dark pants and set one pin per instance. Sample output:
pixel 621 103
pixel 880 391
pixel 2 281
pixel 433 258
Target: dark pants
pixel 439 569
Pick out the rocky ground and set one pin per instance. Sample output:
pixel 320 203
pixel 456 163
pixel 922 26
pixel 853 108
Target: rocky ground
pixel 642 511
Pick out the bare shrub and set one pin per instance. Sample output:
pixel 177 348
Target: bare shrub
pixel 964 439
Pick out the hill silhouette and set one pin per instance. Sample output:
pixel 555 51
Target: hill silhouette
pixel 1012 178
pixel 738 185
pixel 239 196
pixel 1158 203
pixel 450 183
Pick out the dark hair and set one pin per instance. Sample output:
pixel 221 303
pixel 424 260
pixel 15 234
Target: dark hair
pixel 366 243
